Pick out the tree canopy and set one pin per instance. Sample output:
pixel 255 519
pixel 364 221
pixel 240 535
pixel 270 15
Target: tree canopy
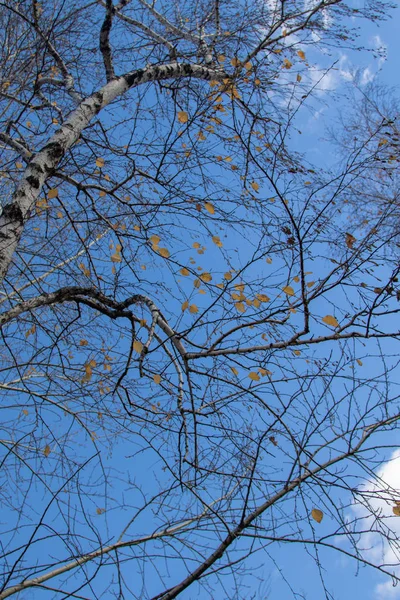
pixel 198 335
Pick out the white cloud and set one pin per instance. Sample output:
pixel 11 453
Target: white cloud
pixel 382 493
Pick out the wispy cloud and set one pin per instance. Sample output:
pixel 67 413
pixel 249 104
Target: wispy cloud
pixel 377 515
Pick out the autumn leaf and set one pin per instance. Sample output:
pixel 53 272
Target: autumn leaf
pixel 287 64
pixel 183 116
pixel 262 297
pixel 53 193
pixel 46 450
pixel 83 343
pixel 240 307
pixel 193 309
pixel 185 305
pixel 234 371
pixel 350 239
pixel 155 239
pixel 157 379
pixel 288 290
pixel 209 208
pixel 301 54
pixel 100 162
pixel 396 510
pixel 255 186
pixel 206 277
pixel 330 320
pixel 217 241
pixel 317 515
pixel 253 376
pixel 137 346
pixel 163 252
pixel 298 78
pixel 359 362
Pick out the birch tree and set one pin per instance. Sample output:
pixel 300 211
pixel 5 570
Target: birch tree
pixel 198 345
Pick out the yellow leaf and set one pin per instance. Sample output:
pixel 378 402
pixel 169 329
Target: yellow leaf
pixel 359 362
pixel 163 252
pixel 217 241
pixel 262 297
pixel 317 515
pixel 235 62
pixel 184 271
pixel 296 352
pixel 234 371
pixel 248 66
pixel 185 305
pixel 100 162
pixel 288 290
pixel 396 510
pixel 264 372
pixel 197 283
pixel 228 276
pixel 193 309
pixel 137 346
pixel 255 186
pixel 83 343
pixel 53 193
pixel 301 54
pixel 240 307
pixel 240 287
pixel 206 277
pixel 157 379
pixel 209 208
pixel 287 64
pixel 268 260
pixel 298 78
pixel 330 320
pixel 310 284
pixel 350 240
pixel 46 450
pixel 183 116
pixel 154 239
pixel 253 376
pixel 19 165
pixel 25 412
pixel 116 257
pixel 296 279
pixel 383 142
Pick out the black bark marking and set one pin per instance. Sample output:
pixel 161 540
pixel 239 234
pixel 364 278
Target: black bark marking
pixel 134 77
pixel 12 213
pixel 33 181
pixel 55 150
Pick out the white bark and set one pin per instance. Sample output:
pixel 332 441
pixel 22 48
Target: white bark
pixel 41 166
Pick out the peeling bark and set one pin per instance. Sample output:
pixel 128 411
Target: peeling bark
pixel 15 216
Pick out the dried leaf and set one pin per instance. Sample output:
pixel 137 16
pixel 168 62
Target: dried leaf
pixel 184 271
pixel 46 450
pixel 253 376
pixel 255 186
pixel 100 162
pixel 317 515
pixel 137 346
pixel 193 309
pixel 185 305
pixel 350 239
pixel 287 64
pixel 206 277
pixel 240 307
pixel 163 252
pixel 396 510
pixel 209 208
pixel 53 193
pixel 157 379
pixel 330 320
pixel 301 54
pixel 234 371
pixel 288 290
pixel 183 116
